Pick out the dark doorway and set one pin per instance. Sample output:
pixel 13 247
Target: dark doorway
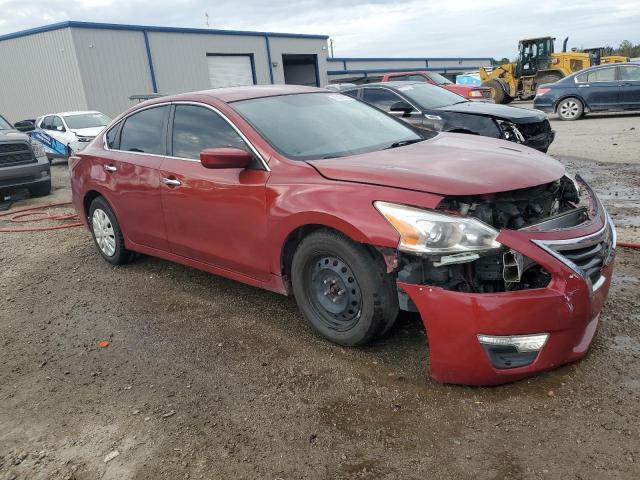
pixel 300 69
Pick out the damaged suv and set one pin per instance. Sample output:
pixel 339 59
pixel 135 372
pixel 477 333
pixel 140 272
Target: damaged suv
pixel 302 191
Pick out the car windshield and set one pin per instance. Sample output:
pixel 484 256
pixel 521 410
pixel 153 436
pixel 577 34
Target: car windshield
pixel 428 96
pixel 323 125
pixel 4 125
pixel 86 120
pixel 439 79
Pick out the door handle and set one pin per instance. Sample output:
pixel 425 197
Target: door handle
pixel 172 182
pixel 109 168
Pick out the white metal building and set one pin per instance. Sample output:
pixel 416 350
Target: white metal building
pixel 345 69
pixel 97 66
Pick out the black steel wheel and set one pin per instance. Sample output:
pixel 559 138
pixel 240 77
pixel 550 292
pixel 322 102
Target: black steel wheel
pixel 343 289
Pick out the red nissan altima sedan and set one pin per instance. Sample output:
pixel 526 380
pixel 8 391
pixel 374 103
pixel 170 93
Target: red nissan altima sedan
pixel 306 192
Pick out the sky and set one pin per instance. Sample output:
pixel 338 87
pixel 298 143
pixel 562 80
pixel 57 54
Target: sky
pixel 364 28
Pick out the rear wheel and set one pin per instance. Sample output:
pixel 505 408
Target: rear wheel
pixel 570 109
pixel 106 233
pixel 342 289
pixel 497 92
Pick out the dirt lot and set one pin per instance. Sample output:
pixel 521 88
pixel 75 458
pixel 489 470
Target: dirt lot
pixel 208 378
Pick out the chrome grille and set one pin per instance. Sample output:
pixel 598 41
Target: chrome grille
pixel 586 256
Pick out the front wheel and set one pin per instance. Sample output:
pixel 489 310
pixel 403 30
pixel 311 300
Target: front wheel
pixel 570 109
pixel 343 289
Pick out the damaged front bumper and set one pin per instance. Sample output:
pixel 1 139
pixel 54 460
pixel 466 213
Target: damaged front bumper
pixel 468 332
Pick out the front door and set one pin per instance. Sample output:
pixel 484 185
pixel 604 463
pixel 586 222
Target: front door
pixel 213 216
pixel 629 92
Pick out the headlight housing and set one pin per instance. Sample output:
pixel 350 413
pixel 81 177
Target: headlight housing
pixel 475 93
pixel 38 149
pixel 427 232
pixel 510 131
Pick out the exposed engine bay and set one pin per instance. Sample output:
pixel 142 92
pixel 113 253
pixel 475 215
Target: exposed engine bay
pixel 560 204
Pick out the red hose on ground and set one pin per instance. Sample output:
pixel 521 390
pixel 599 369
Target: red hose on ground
pixel 36 214
pixel 628 244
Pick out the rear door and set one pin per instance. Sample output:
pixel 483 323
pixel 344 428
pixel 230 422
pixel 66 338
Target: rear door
pixel 599 88
pixel 217 216
pixel 129 168
pixel 629 81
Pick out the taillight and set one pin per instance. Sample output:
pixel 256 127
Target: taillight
pixel 542 91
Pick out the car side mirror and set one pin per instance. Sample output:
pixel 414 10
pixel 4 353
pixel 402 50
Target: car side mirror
pixel 401 107
pixel 225 157
pixel 60 128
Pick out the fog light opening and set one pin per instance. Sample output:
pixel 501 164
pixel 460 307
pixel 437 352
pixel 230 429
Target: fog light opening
pixel 512 351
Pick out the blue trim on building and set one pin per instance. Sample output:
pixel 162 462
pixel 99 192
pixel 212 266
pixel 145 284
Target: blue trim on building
pixel 154 85
pixel 145 28
pixel 400 59
pixel 317 71
pixel 266 39
pixel 397 70
pixel 253 68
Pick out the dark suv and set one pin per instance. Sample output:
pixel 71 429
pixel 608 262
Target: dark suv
pixel 23 162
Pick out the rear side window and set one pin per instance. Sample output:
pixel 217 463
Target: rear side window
pixel 630 73
pixel 197 128
pixel 380 98
pixel 47 123
pixel 351 93
pixel 143 132
pixel 602 75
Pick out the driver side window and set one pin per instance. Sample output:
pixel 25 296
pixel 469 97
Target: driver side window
pixel 197 128
pixel 56 122
pixel 378 97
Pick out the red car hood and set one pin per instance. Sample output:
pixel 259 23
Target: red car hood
pixel 448 164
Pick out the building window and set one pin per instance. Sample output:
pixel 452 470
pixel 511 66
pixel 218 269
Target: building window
pixel 231 70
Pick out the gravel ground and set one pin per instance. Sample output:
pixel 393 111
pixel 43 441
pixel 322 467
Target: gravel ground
pixel 208 378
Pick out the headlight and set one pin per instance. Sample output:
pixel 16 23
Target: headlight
pixel 510 131
pixel 38 149
pixel 84 139
pixel 423 231
pixel 475 93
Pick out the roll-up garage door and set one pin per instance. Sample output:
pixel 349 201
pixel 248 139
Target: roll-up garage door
pixel 230 70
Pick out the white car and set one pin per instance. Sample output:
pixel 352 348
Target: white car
pixel 65 133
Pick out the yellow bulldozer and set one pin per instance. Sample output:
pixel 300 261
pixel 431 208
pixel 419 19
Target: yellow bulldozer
pixel 602 55
pixel 537 64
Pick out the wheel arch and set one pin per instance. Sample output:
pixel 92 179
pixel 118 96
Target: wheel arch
pixel 294 237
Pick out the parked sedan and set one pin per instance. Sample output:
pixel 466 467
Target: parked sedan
pixel 64 133
pixel 308 192
pixel 435 109
pixel 596 89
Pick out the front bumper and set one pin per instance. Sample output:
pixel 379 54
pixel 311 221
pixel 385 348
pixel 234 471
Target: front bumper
pixel 541 141
pixel 568 309
pixel 26 175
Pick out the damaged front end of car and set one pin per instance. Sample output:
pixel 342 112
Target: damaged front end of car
pixel 507 284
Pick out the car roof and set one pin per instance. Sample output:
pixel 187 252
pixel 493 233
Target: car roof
pixel 604 65
pixel 234 94
pixel 395 84
pixel 64 114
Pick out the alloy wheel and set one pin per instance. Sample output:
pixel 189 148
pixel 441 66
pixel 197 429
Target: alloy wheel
pixel 569 109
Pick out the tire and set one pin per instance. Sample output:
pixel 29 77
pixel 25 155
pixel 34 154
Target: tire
pixel 107 234
pixel 497 92
pixel 570 109
pixel 342 289
pixel 41 189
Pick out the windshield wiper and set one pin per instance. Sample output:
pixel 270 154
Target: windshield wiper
pixel 402 143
